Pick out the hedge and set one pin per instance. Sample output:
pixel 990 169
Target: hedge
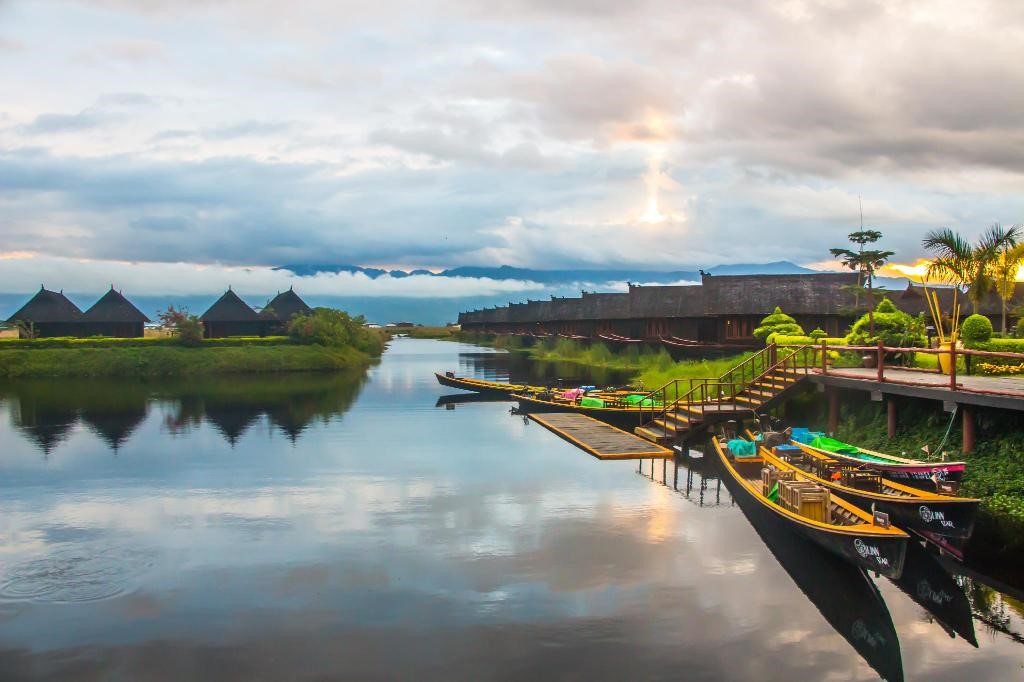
pixel 781 340
pixel 1000 346
pixel 148 342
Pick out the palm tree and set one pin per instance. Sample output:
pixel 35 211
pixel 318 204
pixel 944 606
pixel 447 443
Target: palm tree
pixel 1004 272
pixel 865 263
pixel 969 266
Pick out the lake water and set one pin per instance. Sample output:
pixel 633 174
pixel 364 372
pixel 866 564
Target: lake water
pixel 349 527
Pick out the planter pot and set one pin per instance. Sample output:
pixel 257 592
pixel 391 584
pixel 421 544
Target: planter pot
pixel 870 360
pixel 945 363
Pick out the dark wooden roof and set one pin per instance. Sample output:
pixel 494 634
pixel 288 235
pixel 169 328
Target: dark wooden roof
pixel 815 294
pixel 48 306
pixel 113 307
pixel 666 301
pixel 285 306
pixel 605 306
pixel 230 308
pixel 912 300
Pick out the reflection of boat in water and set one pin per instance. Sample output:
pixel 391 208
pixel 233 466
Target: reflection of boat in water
pixel 462 398
pixel 843 593
pixel 930 586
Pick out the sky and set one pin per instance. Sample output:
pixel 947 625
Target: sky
pixel 162 143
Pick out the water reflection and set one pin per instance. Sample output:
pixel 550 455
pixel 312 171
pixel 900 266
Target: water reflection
pixel 519 368
pixel 46 411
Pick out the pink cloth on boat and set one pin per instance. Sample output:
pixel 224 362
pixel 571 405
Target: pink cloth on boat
pixel 573 394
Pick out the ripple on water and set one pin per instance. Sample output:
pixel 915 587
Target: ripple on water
pixel 78 574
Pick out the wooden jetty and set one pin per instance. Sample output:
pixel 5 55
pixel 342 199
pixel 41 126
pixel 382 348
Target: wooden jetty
pixel 598 438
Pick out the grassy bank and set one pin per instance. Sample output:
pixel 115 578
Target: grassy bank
pixel 171 360
pixel 442 333
pixel 652 368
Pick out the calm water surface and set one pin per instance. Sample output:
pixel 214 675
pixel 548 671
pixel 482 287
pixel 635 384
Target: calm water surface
pixel 353 527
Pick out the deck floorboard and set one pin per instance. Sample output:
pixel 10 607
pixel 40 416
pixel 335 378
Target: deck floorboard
pixel 599 439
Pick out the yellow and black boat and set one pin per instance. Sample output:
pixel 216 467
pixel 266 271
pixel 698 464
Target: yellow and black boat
pixel 621 409
pixel 839 526
pixel 484 387
pixel 908 507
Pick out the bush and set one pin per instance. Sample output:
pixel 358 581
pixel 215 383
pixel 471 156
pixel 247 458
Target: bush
pixel 777 323
pixel 1018 331
pixel 330 327
pixel 893 326
pixel 818 333
pixel 976 329
pixel 188 329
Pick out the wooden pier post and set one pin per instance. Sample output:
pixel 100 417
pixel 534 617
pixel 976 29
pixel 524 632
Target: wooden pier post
pixel 833 411
pixel 890 406
pixel 968 423
pixel 881 362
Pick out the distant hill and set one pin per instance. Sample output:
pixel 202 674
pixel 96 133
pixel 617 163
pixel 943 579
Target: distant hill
pixel 564 277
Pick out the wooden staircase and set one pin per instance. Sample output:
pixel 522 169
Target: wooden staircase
pixel 743 391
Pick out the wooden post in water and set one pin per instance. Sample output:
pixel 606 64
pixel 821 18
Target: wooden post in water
pixel 967 415
pixel 890 406
pixel 833 411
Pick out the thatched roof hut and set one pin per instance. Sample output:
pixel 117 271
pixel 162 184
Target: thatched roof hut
pixel 113 315
pixel 231 316
pixel 283 308
pixel 51 313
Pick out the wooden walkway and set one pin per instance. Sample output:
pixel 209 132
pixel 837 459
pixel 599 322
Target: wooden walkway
pixel 984 391
pixel 599 439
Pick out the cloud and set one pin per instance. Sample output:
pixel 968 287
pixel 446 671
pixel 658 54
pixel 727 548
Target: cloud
pixel 23 272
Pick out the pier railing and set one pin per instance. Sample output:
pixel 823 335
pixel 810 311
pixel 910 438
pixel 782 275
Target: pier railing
pixel 949 356
pixel 700 395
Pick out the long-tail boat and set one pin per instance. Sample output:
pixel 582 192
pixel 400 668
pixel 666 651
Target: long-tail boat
pixel 482 386
pixel 902 469
pixel 615 409
pixel 908 507
pixel 847 531
pixel 847 598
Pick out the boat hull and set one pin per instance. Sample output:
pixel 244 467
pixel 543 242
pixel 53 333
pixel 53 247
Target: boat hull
pixel 488 388
pixel 912 474
pixel 953 519
pixel 882 553
pixel 620 417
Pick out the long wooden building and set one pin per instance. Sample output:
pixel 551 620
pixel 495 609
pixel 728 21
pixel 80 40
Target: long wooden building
pixel 719 310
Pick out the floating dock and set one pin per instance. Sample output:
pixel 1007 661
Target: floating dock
pixel 599 439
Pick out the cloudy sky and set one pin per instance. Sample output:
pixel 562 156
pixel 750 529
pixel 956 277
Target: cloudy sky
pixel 214 135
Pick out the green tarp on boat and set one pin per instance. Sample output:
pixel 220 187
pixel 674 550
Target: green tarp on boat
pixel 642 401
pixel 591 402
pixel 840 448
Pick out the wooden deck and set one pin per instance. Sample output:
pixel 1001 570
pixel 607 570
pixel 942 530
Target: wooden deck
pixel 599 439
pixel 984 391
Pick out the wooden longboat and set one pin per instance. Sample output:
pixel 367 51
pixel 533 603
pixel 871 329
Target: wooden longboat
pixel 844 595
pixel 852 534
pixel 484 387
pixel 622 416
pixel 908 507
pixel 912 471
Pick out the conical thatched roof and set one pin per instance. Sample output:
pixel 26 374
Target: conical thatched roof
pixel 113 307
pixel 230 308
pixel 285 306
pixel 48 306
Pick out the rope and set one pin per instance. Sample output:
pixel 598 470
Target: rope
pixel 949 428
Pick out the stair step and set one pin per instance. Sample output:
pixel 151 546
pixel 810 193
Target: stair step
pixel 655 436
pixel 747 400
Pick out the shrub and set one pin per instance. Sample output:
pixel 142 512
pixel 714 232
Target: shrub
pixel 893 326
pixel 1019 329
pixel 777 323
pixel 818 334
pixel 188 329
pixel 330 327
pixel 976 329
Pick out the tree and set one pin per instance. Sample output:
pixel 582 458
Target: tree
pixel 970 267
pixel 864 262
pixel 188 328
pixel 1004 272
pixel 26 329
pixel 777 323
pixel 894 328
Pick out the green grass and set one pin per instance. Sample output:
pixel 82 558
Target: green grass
pixel 146 342
pixel 163 360
pixel 443 333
